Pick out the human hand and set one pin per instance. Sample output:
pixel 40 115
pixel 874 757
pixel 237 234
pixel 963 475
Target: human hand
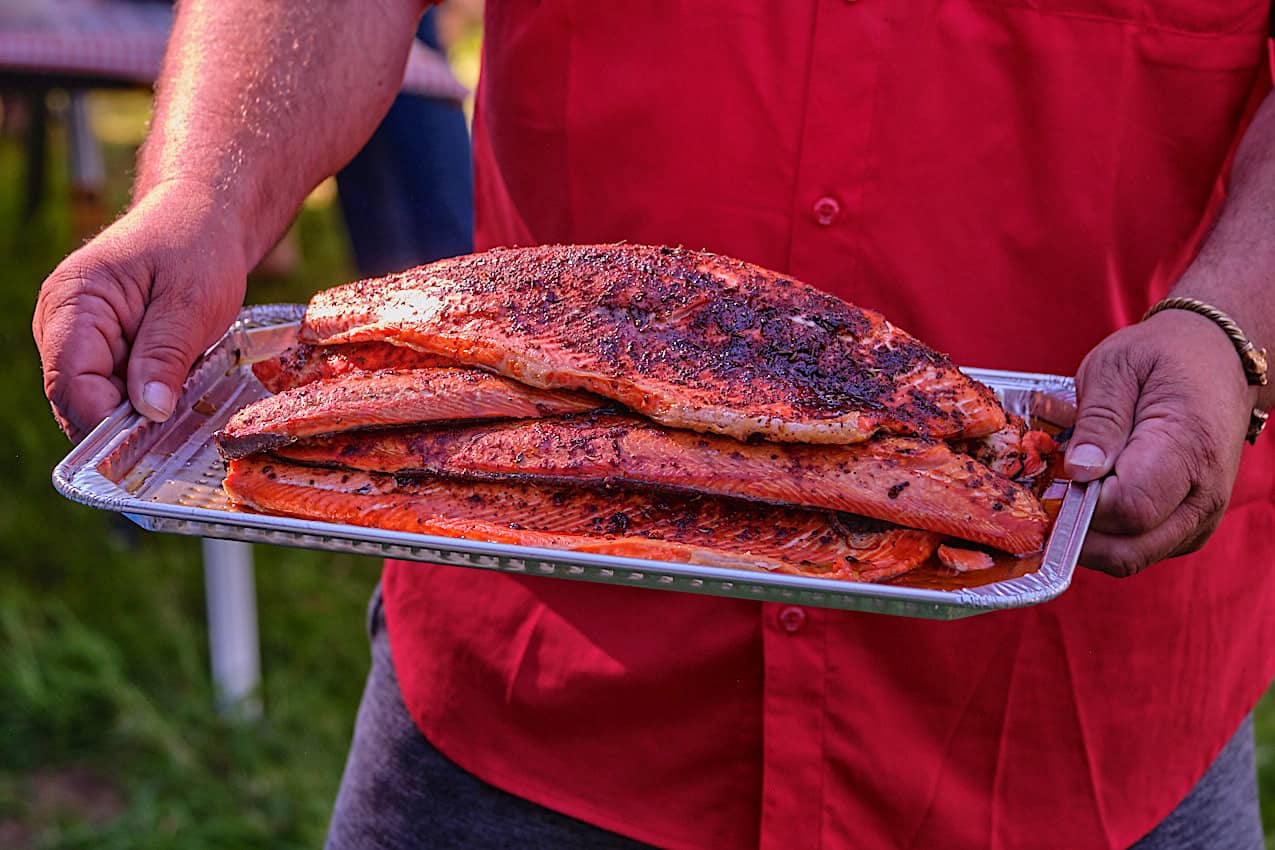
pixel 127 314
pixel 1164 403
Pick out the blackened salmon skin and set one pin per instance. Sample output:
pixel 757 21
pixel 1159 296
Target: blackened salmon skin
pixel 902 480
pixel 657 526
pixel 691 339
pixel 388 398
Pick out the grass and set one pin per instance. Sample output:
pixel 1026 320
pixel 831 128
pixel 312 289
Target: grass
pixel 107 735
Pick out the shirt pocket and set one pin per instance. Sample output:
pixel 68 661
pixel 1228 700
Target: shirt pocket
pixel 1199 17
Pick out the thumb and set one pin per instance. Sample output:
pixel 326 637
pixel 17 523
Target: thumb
pixel 168 340
pixel 1107 397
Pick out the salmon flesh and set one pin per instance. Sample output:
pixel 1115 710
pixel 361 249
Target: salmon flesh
pixel 902 480
pixel 304 364
pixel 1015 451
pixel 658 526
pixel 964 560
pixel 690 339
pixel 385 398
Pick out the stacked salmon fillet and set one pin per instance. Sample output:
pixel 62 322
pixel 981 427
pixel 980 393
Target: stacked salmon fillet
pixel 643 401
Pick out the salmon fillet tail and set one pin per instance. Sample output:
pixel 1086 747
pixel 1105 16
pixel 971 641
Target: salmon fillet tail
pixel 387 398
pixel 705 531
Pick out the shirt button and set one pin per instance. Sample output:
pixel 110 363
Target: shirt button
pixel 826 210
pixel 792 618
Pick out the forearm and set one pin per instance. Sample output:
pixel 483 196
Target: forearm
pixel 1235 270
pixel 259 101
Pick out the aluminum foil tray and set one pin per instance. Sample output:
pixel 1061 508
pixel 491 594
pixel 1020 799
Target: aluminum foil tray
pixel 167 477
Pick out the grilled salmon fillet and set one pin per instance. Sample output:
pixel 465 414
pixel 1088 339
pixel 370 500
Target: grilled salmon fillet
pixel 691 339
pixel 384 398
pixel 304 364
pixel 902 480
pixel 659 526
pixel 1015 451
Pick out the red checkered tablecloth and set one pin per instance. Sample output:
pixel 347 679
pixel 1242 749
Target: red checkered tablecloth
pixel 124 42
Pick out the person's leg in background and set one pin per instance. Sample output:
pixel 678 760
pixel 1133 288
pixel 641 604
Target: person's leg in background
pixel 408 196
pixel 399 792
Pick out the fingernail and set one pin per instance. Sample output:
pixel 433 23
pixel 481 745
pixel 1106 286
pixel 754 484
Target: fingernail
pixel 1086 456
pixel 158 401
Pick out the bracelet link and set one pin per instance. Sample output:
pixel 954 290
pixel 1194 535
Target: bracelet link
pixel 1256 422
pixel 1252 358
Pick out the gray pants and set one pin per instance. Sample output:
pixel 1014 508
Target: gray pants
pixel 400 792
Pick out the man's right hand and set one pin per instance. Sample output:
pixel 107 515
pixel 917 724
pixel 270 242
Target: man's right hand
pixel 127 314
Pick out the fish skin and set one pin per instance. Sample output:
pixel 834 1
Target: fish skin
pixel 658 526
pixel 302 364
pixel 388 398
pixel 691 339
pixel 906 481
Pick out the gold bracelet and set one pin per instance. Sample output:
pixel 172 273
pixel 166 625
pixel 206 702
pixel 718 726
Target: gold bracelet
pixel 1252 358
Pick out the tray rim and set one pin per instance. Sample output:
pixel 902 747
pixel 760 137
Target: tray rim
pixel 77 478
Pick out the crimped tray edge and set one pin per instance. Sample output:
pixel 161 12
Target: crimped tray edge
pixel 77 478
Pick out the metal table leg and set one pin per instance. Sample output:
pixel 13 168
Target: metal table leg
pixel 232 627
pixel 88 170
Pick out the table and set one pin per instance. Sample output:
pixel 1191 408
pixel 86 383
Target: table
pixel 79 45
pixel 110 42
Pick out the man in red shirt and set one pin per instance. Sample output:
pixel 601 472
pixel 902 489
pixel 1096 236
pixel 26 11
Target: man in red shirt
pixel 1014 182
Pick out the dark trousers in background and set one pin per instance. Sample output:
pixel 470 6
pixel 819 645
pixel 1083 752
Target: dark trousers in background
pixel 408 196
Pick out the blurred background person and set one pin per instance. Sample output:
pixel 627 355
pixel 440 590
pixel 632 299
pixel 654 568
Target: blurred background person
pixel 408 196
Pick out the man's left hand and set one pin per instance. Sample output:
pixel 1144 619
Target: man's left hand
pixel 1165 404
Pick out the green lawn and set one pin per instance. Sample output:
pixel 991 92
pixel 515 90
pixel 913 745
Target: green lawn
pixel 107 738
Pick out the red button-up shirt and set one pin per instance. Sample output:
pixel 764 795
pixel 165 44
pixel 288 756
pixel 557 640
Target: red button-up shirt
pixel 1010 180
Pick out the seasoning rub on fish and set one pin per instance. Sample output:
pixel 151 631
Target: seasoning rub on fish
pixel 904 480
pixel 690 339
pixel 305 364
pixel 386 398
pixel 660 526
pixel 652 402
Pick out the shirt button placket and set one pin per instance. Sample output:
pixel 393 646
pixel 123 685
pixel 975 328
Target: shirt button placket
pixel 826 210
pixel 792 618
pixel 794 699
